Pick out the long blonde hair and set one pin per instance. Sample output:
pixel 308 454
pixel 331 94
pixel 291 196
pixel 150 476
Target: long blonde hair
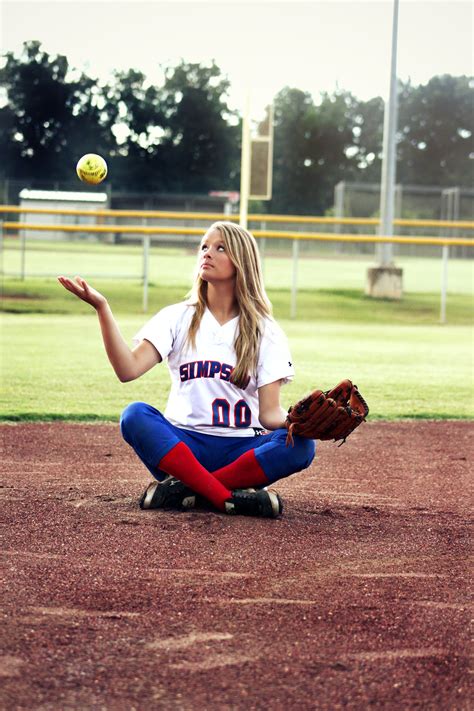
pixel 252 300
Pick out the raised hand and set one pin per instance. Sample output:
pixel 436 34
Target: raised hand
pixel 80 288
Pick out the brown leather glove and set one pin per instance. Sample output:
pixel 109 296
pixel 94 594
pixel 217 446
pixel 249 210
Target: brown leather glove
pixel 327 415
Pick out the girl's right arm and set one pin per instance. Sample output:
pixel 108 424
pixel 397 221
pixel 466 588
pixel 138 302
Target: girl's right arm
pixel 128 364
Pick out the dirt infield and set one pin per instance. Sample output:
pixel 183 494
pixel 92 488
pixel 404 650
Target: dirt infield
pixel 356 598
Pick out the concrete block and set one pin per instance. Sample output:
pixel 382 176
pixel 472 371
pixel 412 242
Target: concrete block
pixel 384 283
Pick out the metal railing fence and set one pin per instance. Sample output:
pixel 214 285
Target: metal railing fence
pixel 202 216
pixel 295 237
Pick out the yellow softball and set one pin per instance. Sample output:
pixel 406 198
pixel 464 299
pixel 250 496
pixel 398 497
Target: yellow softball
pixel 91 168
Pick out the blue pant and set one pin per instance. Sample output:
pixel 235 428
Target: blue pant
pixel 152 436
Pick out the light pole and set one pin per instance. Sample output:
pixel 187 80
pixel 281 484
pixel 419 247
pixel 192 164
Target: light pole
pixel 389 159
pixel 385 280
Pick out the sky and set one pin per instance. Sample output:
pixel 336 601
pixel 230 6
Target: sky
pixel 318 46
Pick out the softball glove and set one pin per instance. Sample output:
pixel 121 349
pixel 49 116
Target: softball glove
pixel 333 414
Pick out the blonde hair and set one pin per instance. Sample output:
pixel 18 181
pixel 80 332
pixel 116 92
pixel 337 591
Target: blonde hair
pixel 252 300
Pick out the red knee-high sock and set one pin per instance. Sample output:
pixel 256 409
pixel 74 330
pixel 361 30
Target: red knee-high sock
pixel 243 473
pixel 181 463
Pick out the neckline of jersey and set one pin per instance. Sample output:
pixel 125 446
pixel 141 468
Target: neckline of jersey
pixel 221 325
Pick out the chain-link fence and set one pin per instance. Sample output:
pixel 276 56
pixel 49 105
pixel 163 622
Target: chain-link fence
pixel 119 199
pixel 351 200
pixel 411 202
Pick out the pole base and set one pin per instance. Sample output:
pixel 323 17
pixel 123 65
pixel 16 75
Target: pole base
pixel 384 283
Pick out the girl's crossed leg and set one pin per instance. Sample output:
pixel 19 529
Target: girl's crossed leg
pixel 210 465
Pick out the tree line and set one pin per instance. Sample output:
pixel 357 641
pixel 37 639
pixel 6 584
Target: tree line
pixel 182 137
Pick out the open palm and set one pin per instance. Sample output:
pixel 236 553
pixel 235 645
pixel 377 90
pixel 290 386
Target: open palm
pixel 80 288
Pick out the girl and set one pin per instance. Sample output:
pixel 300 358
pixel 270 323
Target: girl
pixel 223 429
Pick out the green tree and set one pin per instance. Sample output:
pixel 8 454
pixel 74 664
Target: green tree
pixel 368 117
pixel 49 111
pixel 200 148
pixel 434 137
pixel 132 114
pixel 294 114
pixel 436 127
pixel 182 137
pixel 312 150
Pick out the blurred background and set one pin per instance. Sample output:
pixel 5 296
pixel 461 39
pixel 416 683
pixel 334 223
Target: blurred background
pixel 158 89
pixel 165 91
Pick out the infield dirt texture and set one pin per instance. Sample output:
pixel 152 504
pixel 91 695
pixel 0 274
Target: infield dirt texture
pixel 356 598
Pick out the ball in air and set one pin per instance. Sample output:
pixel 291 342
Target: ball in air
pixel 91 169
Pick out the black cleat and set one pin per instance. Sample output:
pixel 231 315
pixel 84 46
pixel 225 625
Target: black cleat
pixel 168 494
pixel 266 504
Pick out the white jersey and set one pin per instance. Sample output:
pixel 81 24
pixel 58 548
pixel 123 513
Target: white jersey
pixel 202 397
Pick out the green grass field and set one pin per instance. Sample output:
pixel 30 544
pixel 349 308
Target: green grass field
pixel 46 296
pixel 54 366
pixel 404 361
pixel 171 266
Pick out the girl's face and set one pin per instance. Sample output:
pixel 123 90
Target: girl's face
pixel 215 264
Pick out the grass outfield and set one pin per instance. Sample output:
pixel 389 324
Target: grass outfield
pixel 333 305
pixel 406 364
pixel 174 266
pixel 54 367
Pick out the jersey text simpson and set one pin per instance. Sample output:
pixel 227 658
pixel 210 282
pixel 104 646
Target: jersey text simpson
pixel 205 369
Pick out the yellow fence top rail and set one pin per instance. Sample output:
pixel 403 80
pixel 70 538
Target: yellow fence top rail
pixel 215 216
pixel 322 236
pixel 160 214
